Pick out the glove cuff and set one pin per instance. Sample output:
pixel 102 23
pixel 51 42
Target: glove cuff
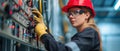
pixel 41 33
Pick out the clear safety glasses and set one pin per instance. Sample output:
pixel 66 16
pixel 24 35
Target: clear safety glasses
pixel 75 13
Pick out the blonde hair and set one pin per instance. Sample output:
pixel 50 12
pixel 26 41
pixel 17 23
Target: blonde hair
pixel 92 24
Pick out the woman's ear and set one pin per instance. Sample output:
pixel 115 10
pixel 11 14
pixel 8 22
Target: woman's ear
pixel 87 15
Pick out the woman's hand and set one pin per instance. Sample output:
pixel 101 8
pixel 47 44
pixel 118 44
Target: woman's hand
pixel 40 28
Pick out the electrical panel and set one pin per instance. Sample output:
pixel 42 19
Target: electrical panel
pixel 16 22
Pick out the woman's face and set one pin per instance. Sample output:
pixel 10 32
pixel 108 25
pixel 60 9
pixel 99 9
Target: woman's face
pixel 77 16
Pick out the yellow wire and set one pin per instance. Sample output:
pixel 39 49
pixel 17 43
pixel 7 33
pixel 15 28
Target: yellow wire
pixel 40 6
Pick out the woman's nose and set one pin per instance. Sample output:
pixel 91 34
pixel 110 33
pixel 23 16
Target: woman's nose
pixel 70 16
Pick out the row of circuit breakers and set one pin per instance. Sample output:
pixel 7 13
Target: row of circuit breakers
pixel 16 19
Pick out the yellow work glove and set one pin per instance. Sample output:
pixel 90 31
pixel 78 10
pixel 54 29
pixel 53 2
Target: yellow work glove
pixel 38 16
pixel 40 28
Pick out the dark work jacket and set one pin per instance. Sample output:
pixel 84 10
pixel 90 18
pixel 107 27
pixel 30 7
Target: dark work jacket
pixel 87 40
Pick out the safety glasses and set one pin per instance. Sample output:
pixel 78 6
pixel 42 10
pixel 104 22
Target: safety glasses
pixel 75 13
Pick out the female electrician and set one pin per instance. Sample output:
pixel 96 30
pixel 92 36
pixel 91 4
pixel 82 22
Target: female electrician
pixel 80 14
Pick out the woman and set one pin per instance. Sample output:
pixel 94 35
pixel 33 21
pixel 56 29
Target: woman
pixel 80 14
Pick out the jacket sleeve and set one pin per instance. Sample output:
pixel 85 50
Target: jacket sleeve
pixel 52 45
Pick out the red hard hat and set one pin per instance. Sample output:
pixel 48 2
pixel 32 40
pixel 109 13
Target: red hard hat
pixel 73 3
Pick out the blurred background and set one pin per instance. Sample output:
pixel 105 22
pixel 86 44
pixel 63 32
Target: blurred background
pixel 13 29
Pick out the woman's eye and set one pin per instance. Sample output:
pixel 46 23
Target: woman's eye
pixel 76 12
pixel 81 12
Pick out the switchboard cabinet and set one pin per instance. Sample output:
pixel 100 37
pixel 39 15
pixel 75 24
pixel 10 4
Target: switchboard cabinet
pixel 17 27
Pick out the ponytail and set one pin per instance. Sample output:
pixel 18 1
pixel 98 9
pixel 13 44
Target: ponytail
pixel 92 24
